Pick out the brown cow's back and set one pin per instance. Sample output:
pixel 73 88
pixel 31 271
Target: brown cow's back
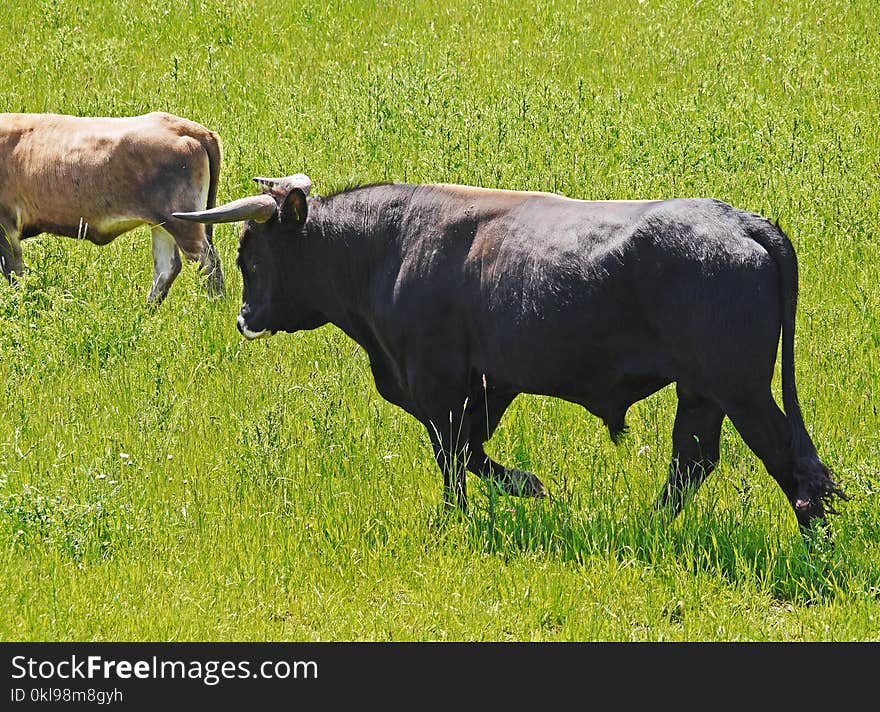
pixel 62 173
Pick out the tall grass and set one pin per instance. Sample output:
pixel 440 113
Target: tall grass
pixel 160 479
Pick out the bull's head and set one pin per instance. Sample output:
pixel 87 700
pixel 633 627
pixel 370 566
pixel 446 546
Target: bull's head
pixel 272 298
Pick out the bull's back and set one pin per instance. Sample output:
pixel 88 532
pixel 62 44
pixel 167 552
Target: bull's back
pixel 524 281
pixel 565 295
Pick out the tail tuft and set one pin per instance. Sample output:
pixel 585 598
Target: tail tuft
pixel 816 488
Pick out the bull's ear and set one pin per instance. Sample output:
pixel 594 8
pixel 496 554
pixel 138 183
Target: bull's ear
pixel 294 208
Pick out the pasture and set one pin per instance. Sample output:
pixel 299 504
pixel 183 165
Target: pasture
pixel 163 479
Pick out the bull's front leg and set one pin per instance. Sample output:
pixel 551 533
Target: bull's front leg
pixel 518 483
pixel 449 434
pixel 457 435
pixel 441 406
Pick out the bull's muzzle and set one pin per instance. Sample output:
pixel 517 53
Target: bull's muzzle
pixel 247 333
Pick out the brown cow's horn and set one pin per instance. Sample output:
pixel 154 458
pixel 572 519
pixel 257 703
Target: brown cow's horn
pixel 258 208
pixel 299 180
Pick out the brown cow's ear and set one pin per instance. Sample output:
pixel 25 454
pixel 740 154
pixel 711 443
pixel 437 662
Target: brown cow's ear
pixel 293 209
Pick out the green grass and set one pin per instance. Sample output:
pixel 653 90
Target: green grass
pixel 161 479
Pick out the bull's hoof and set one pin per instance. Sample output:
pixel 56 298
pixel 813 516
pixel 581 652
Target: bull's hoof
pixel 520 483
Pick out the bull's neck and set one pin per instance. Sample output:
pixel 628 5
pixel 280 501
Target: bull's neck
pixel 353 239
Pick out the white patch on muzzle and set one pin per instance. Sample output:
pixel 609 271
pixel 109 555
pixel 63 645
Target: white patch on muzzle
pixel 248 334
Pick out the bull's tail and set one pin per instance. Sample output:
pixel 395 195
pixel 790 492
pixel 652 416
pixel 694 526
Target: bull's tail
pixel 815 485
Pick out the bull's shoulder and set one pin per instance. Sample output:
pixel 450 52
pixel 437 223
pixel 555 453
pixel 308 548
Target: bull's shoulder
pixel 466 192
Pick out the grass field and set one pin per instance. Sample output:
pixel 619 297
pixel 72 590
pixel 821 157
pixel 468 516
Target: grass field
pixel 162 479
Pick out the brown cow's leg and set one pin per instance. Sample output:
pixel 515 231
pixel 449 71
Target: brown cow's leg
pixel 695 447
pixel 11 259
pixel 486 410
pixel 6 258
pixel 197 246
pixel 17 258
pixel 209 264
pixel 166 264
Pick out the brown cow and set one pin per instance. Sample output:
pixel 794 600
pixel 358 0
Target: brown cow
pixel 96 178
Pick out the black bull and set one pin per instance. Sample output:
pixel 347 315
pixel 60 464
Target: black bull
pixel 464 298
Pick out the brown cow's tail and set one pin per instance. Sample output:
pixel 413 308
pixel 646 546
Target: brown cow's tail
pixel 211 143
pixel 210 260
pixel 816 488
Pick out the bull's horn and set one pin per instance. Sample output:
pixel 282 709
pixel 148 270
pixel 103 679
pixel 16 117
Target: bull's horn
pixel 258 208
pixel 299 180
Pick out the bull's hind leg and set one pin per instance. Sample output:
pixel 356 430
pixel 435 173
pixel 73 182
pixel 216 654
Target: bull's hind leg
pixel 696 439
pixel 485 410
pixel 166 264
pixel 767 432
